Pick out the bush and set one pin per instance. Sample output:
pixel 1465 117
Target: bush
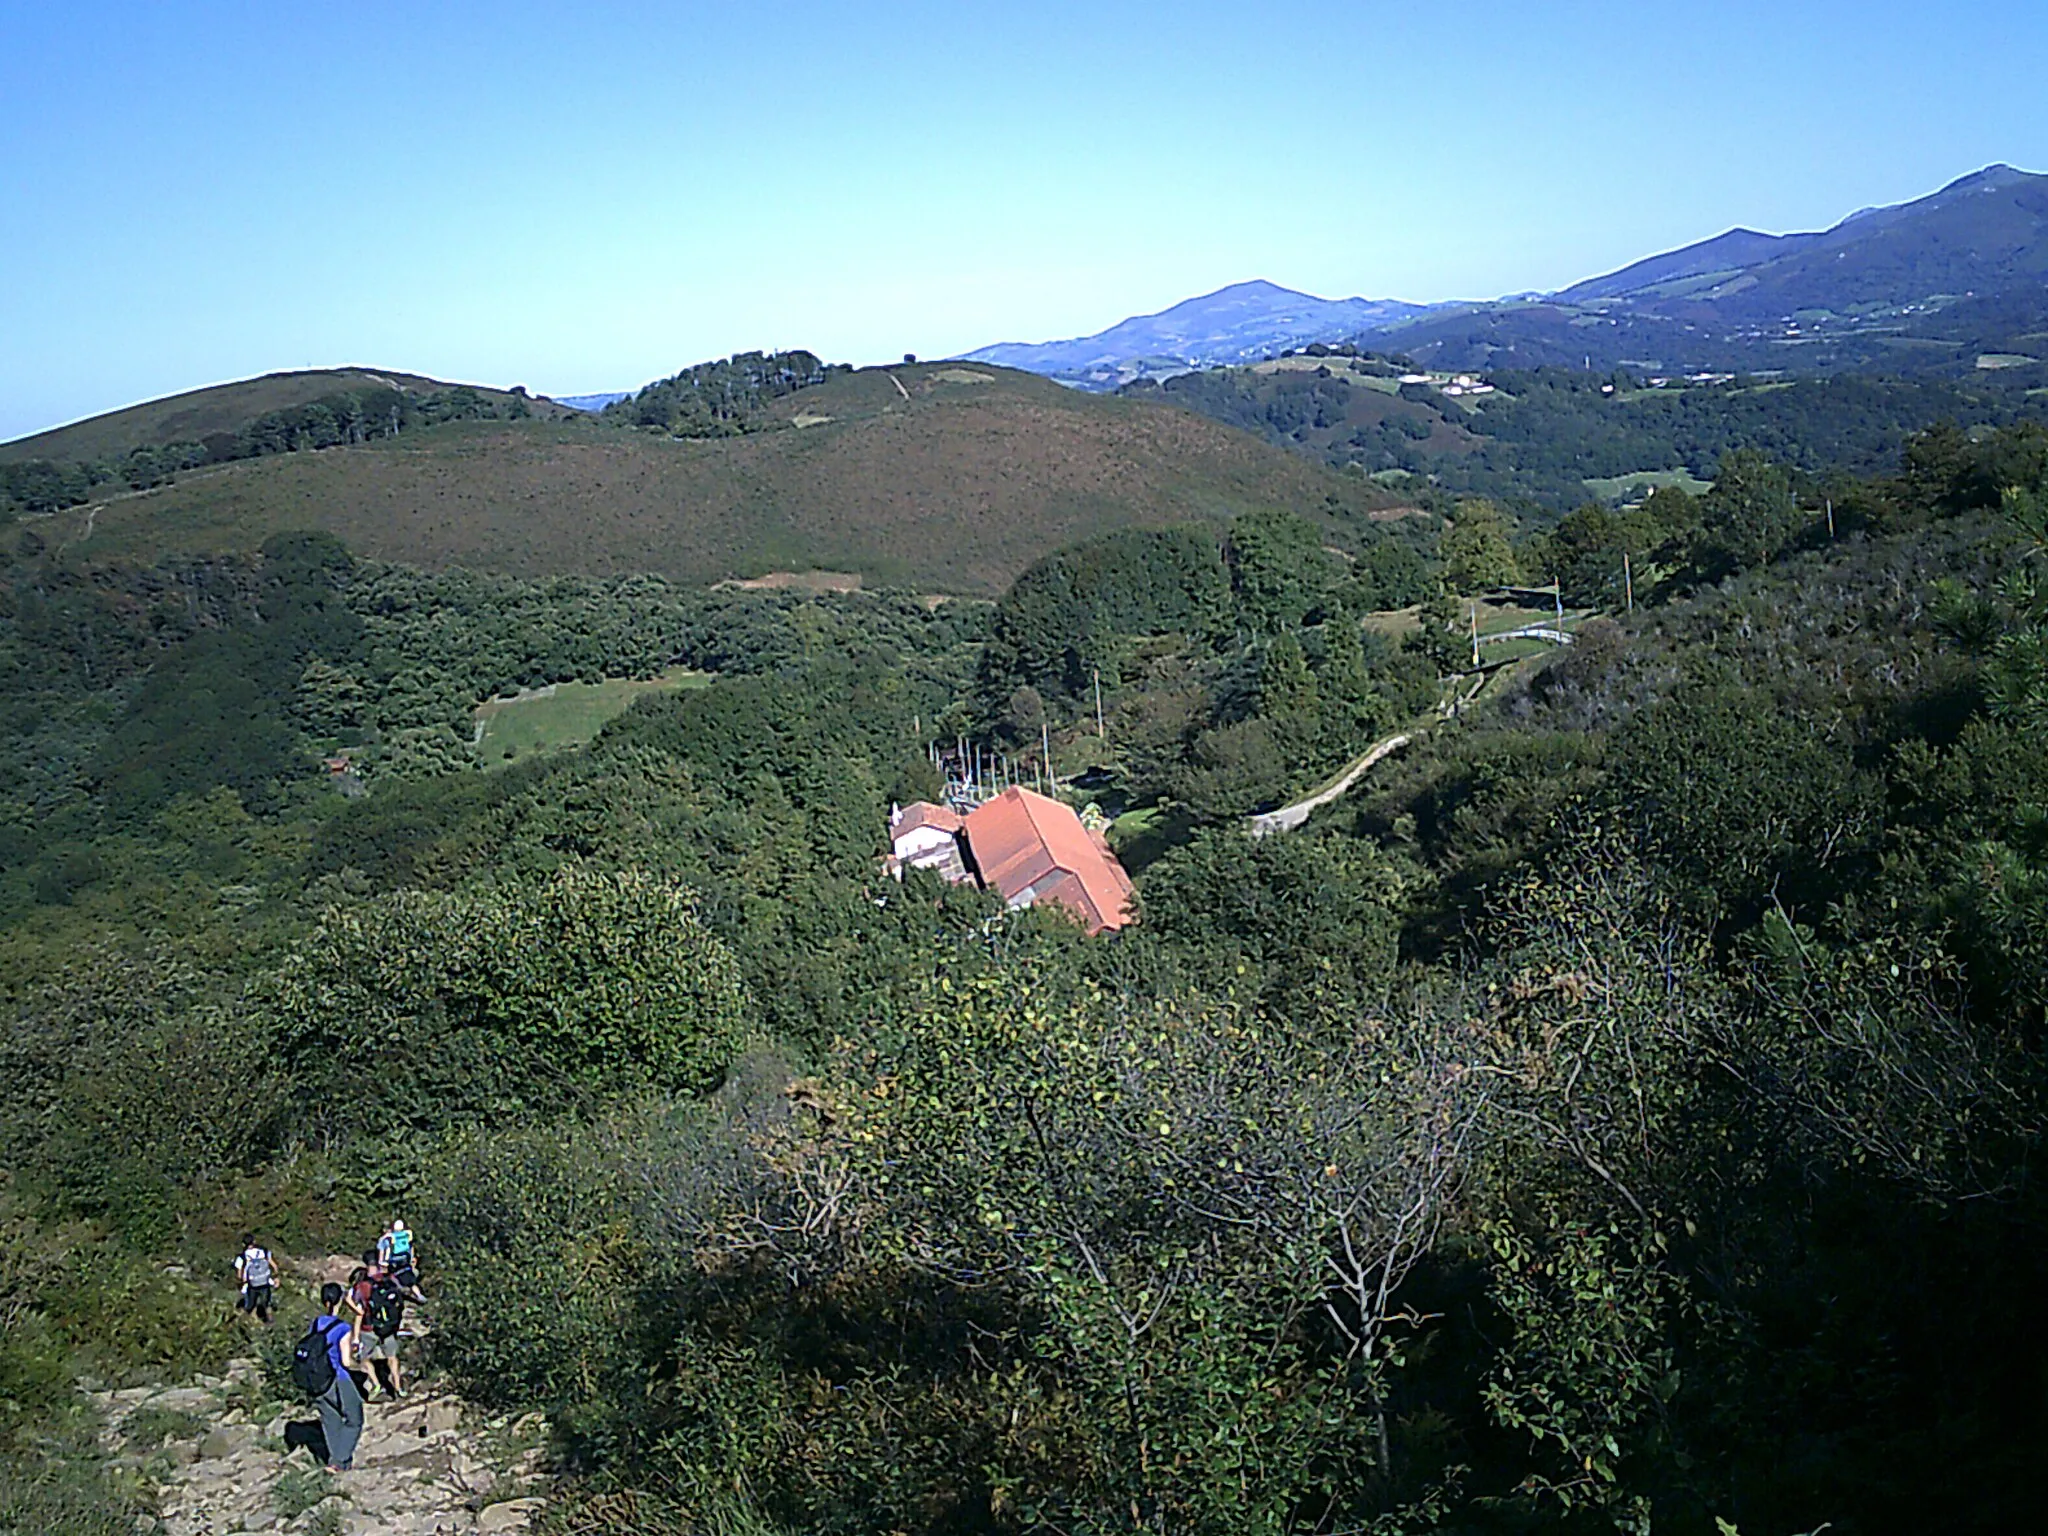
pixel 427 1009
pixel 71 1494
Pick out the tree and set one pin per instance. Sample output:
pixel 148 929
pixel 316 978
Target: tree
pixel 1287 689
pixel 1279 570
pixel 1750 514
pixel 1476 549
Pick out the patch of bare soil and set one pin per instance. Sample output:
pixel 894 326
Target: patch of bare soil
pixel 799 581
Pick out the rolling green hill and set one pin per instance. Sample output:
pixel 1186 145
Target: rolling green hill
pixel 944 476
pixel 199 414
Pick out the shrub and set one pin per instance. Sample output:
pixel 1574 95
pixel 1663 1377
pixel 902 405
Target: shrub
pixel 425 1009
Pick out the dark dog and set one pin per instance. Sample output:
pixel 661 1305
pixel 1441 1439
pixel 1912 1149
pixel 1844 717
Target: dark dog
pixel 311 1436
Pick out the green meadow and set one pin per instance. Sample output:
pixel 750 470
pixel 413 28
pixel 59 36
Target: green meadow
pixel 566 714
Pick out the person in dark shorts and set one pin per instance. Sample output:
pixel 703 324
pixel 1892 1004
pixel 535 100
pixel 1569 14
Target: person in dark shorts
pixel 258 1274
pixel 379 1308
pixel 354 1301
pixel 377 1333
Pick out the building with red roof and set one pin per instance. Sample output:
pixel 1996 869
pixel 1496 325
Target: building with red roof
pixel 1027 847
pixel 1033 849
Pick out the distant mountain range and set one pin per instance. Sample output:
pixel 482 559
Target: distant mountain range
pixel 1238 324
pixel 1945 283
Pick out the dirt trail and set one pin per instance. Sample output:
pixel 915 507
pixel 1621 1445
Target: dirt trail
pixel 1288 817
pixel 428 1465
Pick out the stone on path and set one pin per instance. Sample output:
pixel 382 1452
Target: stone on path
pixel 512 1515
pixel 226 1440
pixel 417 1471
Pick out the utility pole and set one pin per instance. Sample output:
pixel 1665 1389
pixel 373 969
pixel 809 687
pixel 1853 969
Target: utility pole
pixel 1557 591
pixel 1475 635
pixel 1045 740
pixel 1100 733
pixel 1831 516
pixel 1628 582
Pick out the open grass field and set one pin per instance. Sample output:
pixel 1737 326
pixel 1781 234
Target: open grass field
pixel 1643 481
pixel 1394 623
pixel 565 714
pixel 918 479
pixel 193 415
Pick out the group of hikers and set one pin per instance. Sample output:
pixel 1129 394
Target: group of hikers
pixel 349 1355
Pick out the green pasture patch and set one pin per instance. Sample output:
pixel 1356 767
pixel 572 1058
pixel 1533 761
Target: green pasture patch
pixel 1139 837
pixel 1498 618
pixel 1643 481
pixel 565 714
pixel 1515 650
pixel 1394 623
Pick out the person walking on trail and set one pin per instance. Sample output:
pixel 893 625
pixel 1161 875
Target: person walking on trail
pixel 379 1308
pixel 320 1367
pixel 383 1314
pixel 395 1249
pixel 254 1268
pixel 355 1302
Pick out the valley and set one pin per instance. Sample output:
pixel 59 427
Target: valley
pixel 1568 1050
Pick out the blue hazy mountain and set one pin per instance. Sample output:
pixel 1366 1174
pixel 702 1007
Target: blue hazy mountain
pixel 1932 284
pixel 1241 323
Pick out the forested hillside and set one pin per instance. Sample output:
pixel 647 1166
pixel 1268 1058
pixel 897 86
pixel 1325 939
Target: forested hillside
pixel 1550 439
pixel 1619 1112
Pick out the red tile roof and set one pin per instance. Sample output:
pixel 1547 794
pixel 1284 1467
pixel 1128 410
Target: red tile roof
pixel 1034 849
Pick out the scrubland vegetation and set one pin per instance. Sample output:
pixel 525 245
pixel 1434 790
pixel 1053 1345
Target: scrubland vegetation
pixel 947 479
pixel 1618 1113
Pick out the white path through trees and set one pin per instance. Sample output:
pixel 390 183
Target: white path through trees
pixel 1288 817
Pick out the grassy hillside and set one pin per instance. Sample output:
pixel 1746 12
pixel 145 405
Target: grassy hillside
pixel 200 413
pixel 943 476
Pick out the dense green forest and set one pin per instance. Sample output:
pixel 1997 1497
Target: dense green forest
pixel 722 399
pixel 1545 433
pixel 1618 1113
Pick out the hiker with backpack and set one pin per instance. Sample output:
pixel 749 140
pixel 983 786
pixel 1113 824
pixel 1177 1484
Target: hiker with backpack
pixel 395 1249
pixel 320 1367
pixel 379 1306
pixel 255 1269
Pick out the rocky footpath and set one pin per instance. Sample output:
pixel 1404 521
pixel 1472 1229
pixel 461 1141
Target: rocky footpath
pixel 215 1450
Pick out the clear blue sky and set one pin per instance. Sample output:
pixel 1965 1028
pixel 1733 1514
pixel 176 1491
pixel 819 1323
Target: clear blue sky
pixel 585 194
